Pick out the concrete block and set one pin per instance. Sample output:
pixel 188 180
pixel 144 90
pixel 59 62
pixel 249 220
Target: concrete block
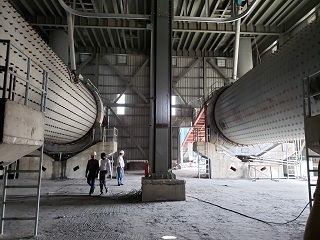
pixel 163 190
pixel 32 163
pixel 76 166
pixel 21 130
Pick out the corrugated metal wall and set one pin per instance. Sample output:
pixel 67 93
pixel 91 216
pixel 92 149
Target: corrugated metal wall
pixel 133 127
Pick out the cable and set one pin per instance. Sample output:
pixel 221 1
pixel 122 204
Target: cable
pixel 244 215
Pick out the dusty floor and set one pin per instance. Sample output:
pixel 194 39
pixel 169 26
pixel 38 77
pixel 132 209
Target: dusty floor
pixel 214 209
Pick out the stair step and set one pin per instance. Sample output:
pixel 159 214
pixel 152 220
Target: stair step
pixel 18 218
pixel 21 186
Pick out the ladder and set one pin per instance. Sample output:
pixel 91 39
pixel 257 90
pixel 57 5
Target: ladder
pixel 312 131
pixel 8 92
pixel 204 163
pixel 7 185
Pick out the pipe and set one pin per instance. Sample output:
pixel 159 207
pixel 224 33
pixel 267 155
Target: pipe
pixel 147 17
pixel 103 15
pixel 216 20
pixel 71 42
pixel 236 46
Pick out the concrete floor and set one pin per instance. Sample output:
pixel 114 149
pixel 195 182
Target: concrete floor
pixel 67 212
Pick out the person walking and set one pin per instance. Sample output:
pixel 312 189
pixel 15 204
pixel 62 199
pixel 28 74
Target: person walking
pixel 105 167
pixel 120 167
pixel 92 171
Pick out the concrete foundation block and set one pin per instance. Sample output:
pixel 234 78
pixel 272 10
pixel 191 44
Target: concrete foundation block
pixel 163 190
pixel 76 166
pixel 21 130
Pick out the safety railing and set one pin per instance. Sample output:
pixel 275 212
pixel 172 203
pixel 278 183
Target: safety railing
pixel 109 135
pixel 17 87
pixel 311 96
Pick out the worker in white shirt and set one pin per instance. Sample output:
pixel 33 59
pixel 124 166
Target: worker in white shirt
pixel 105 168
pixel 120 167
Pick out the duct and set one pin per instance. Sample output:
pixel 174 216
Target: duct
pixel 71 42
pixel 103 15
pixel 236 46
pixel 266 104
pixel 217 20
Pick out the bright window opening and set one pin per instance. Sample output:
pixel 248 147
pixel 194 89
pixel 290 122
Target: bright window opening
pixel 122 59
pixel 173 102
pixel 221 62
pixel 121 100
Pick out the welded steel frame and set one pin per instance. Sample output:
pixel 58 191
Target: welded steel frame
pixel 5 68
pixel 42 104
pixel 307 112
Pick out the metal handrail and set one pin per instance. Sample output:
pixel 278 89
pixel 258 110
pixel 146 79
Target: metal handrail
pixel 9 91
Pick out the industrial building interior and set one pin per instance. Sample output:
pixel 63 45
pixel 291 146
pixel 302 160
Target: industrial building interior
pixel 206 97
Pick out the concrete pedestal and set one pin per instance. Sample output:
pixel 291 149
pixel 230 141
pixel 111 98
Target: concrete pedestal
pixel 163 190
pixel 21 131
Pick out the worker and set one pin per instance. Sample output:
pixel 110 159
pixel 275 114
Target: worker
pixel 120 167
pixel 92 171
pixel 105 168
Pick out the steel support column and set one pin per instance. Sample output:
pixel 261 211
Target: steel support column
pixel 245 63
pixel 161 61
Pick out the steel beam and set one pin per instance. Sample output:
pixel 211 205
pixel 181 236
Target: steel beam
pixel 161 61
pixel 176 80
pixel 125 79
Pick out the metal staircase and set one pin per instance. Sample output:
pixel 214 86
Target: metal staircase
pixel 8 185
pixel 8 92
pixel 311 94
pixel 204 162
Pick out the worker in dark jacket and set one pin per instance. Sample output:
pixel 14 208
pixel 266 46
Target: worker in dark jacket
pixel 92 171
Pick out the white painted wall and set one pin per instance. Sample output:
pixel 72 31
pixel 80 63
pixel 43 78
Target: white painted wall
pixel 221 164
pixel 82 158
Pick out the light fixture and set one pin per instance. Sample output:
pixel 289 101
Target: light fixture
pixel 169 237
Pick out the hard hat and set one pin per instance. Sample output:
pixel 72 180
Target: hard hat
pixel 121 151
pixel 93 153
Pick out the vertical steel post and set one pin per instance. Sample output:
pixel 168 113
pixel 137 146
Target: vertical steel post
pixel 6 71
pixel 4 195
pixel 71 41
pixel 162 61
pixel 43 91
pixel 307 113
pixel 27 82
pixel 46 92
pixel 152 101
pixel 207 7
pixel 38 192
pixel 236 46
pixel 205 86
pixel 10 94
